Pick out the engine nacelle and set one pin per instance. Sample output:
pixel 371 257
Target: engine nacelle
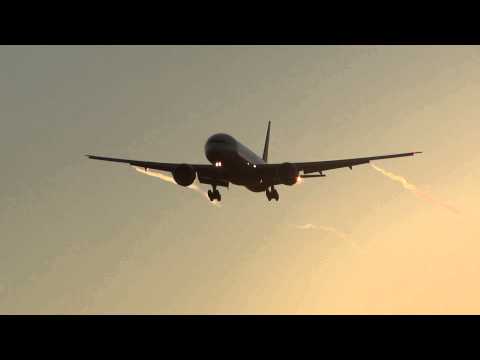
pixel 287 173
pixel 184 175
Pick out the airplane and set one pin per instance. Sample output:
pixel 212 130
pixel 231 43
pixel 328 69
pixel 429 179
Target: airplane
pixel 232 162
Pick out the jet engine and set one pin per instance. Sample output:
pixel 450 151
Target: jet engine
pixel 184 175
pixel 287 173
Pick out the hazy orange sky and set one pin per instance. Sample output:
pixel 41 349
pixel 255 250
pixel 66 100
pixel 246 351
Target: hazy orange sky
pixel 82 236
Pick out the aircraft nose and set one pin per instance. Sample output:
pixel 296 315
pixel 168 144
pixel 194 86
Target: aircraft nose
pixel 218 152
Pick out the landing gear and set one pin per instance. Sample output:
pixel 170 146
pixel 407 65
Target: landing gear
pixel 214 194
pixel 272 193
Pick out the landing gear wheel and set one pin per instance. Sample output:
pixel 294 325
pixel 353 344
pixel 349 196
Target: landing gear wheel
pixel 272 194
pixel 214 195
pixel 275 195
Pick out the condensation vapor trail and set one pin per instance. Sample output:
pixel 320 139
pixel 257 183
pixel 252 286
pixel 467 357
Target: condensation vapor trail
pixel 170 179
pixel 306 226
pixel 331 230
pixel 322 227
pixel 413 188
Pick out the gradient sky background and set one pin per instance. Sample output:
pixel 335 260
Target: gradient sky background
pixel 83 236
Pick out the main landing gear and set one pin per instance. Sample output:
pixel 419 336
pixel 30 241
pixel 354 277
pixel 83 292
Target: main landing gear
pixel 214 194
pixel 272 193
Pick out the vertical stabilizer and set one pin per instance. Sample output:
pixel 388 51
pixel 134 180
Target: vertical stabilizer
pixel 265 149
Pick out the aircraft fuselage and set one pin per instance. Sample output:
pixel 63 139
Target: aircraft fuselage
pixel 236 160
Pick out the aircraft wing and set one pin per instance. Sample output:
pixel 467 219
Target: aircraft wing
pixel 207 174
pixel 320 166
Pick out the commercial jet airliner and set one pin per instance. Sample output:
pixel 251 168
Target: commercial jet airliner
pixel 232 162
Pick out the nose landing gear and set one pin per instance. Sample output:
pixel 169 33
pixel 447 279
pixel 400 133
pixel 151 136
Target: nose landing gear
pixel 272 193
pixel 214 194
